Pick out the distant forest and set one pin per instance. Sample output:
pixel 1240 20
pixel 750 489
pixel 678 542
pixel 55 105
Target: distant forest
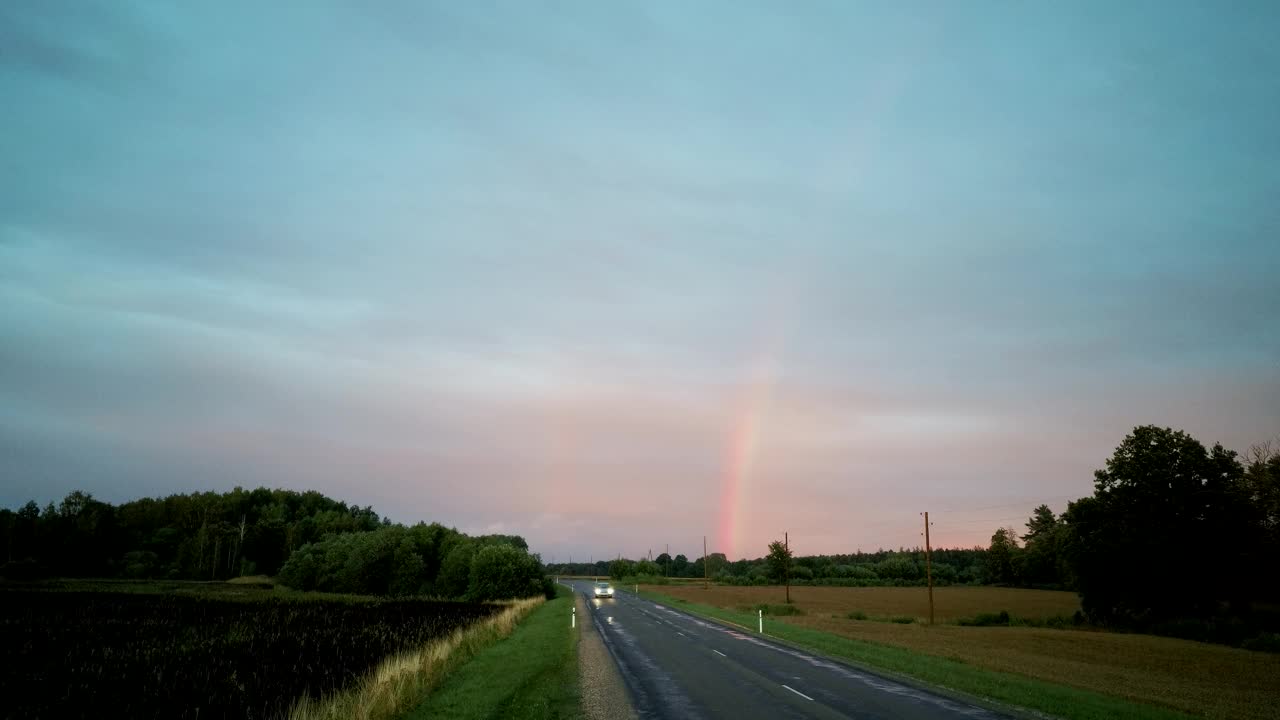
pixel 902 567
pixel 305 539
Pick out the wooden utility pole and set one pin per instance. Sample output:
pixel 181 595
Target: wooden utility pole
pixel 705 583
pixel 786 544
pixel 928 565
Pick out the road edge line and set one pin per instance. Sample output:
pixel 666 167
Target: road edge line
pixel 1015 711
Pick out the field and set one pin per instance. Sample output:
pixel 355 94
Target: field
pixel 1196 678
pixel 237 652
pixel 950 603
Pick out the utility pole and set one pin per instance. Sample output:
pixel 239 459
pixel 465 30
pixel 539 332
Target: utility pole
pixel 705 584
pixel 786 544
pixel 928 565
pixel 666 569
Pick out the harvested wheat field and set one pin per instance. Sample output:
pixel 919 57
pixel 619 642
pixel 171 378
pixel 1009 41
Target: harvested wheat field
pixel 1198 678
pixel 949 602
pixel 1210 680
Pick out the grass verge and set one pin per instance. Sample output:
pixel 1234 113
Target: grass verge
pixel 1003 688
pixel 402 681
pixel 532 674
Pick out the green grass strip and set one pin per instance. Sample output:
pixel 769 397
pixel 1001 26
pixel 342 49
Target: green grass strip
pixel 532 674
pixel 948 674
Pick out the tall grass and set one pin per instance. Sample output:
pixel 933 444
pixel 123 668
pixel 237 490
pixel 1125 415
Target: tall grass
pixel 532 675
pixel 402 681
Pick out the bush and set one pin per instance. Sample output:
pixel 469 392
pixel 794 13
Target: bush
pixel 21 570
pixel 140 564
pixel 502 572
pixel 775 610
pixel 899 567
pixel 1004 619
pixel 302 570
pixel 857 615
pixel 644 580
pixel 986 620
pixel 1266 642
pixel 1226 630
pixel 902 619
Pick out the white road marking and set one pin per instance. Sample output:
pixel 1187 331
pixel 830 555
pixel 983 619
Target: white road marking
pixel 718 653
pixel 681 634
pixel 806 697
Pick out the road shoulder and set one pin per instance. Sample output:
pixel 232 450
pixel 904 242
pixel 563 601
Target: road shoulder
pixel 604 694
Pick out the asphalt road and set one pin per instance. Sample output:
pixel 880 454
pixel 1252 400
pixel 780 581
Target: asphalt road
pixel 676 665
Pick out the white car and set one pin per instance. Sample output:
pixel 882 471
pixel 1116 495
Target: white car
pixel 603 590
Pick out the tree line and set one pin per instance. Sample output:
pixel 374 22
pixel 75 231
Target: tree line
pixel 901 567
pixel 309 541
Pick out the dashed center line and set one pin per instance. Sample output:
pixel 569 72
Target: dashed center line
pixel 718 653
pixel 806 697
pixel 681 634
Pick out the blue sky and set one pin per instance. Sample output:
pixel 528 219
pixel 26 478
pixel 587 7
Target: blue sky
pixel 615 275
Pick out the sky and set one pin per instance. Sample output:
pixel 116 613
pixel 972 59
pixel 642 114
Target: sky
pixel 615 276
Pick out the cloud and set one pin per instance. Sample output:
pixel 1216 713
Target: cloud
pixel 500 269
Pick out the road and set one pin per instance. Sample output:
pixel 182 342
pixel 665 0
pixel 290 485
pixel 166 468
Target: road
pixel 680 666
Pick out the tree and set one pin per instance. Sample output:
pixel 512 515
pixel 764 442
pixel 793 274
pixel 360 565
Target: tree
pixel 408 572
pixel 899 566
pixel 1043 540
pixel 680 566
pixel 778 561
pixel 715 563
pixel 1260 488
pixel 1041 522
pixel 455 570
pixel 664 562
pixel 514 540
pixel 1162 504
pixel 1003 557
pixel 621 568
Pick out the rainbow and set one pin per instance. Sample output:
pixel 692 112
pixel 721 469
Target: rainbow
pixel 741 452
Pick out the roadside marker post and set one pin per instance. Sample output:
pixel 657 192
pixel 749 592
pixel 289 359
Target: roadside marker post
pixel 762 622
pixel 573 619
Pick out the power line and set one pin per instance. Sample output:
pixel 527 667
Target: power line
pixel 1041 501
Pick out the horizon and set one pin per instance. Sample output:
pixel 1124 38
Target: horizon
pixel 724 271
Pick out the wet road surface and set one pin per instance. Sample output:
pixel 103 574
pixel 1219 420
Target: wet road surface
pixel 676 665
